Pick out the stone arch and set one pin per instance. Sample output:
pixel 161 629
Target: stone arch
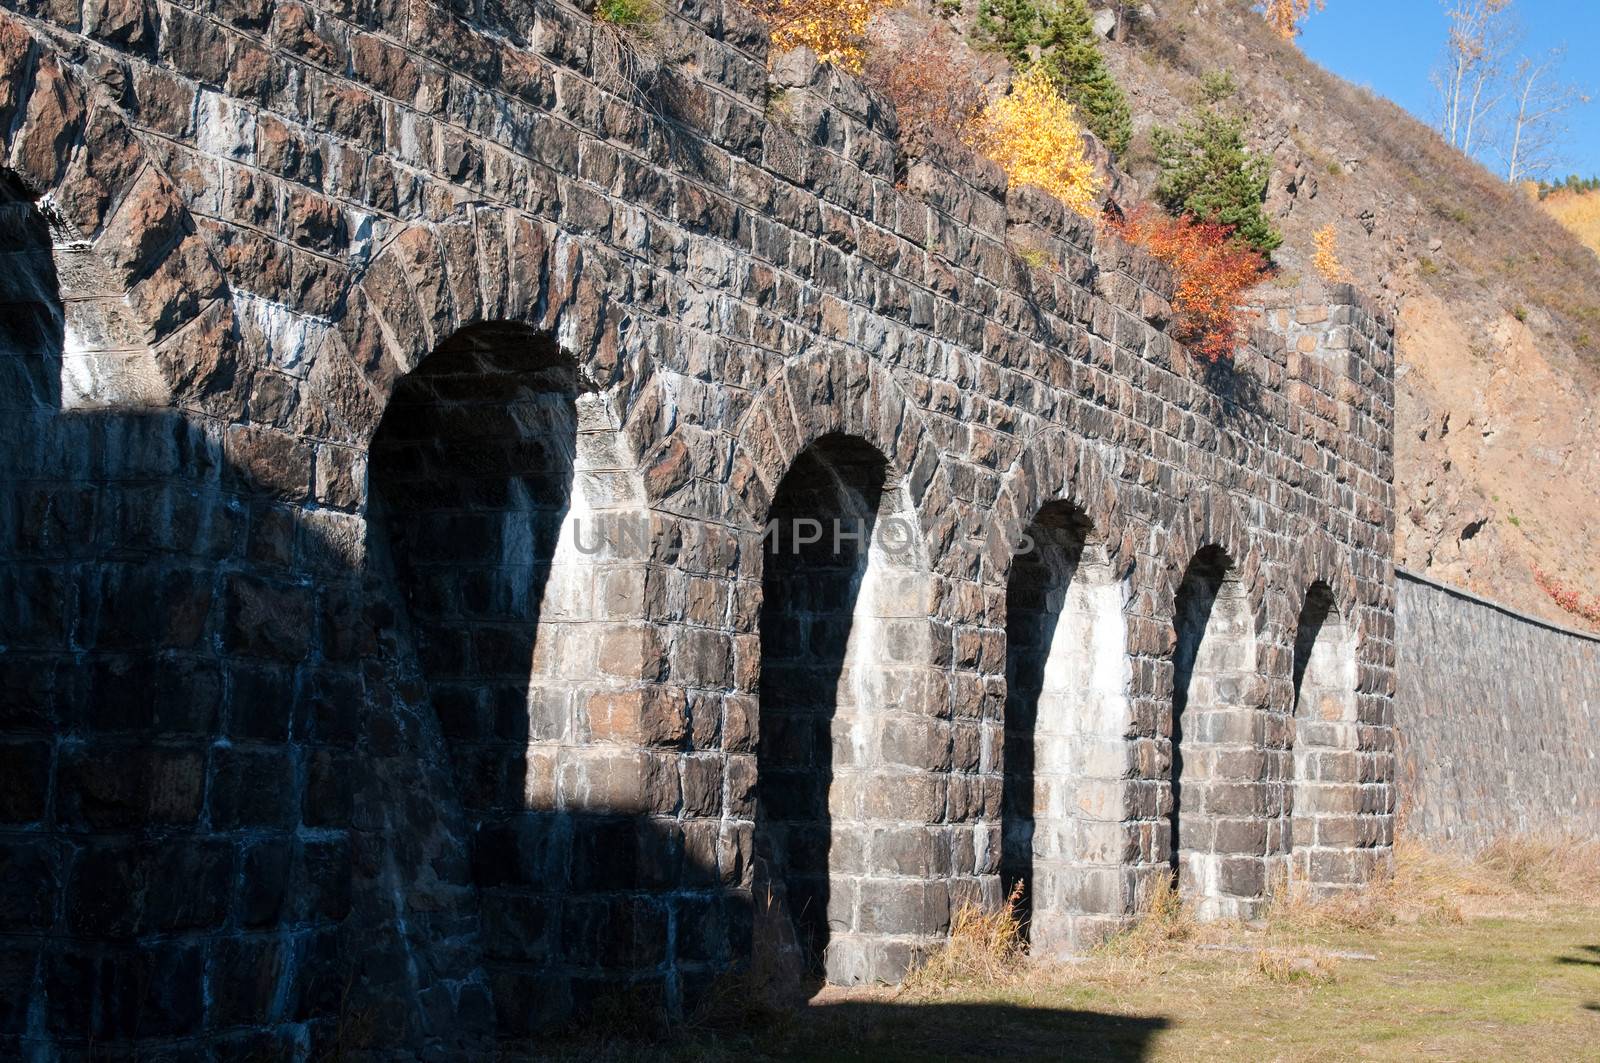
pixel 1053 466
pixel 1319 559
pixel 1211 519
pixel 1068 713
pixel 850 832
pixel 147 313
pixel 479 265
pixel 1325 791
pixel 511 537
pixel 1218 820
pixel 841 391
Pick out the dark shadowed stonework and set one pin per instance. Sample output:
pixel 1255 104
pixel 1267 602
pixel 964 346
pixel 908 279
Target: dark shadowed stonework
pixel 391 401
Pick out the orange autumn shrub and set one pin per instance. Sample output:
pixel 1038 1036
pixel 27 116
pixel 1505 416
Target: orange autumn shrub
pixel 1285 16
pixel 1213 269
pixel 1035 136
pixel 834 29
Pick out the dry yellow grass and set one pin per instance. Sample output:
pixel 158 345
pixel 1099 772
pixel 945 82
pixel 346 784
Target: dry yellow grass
pixel 985 949
pixel 1495 957
pixel 1516 878
pixel 1579 213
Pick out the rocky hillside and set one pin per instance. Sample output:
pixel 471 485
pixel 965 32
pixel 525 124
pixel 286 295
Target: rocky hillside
pixel 1497 467
pixel 1498 471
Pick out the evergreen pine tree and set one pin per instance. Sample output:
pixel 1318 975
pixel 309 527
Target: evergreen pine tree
pixel 1071 55
pixel 1012 26
pixel 1208 172
pixel 1060 37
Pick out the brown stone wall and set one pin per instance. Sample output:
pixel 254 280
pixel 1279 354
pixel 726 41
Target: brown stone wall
pixel 254 809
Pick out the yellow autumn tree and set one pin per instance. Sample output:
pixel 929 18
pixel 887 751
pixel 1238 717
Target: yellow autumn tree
pixel 1035 136
pixel 1326 260
pixel 1285 16
pixel 834 29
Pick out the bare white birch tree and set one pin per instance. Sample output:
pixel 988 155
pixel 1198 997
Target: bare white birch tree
pixel 1537 128
pixel 1466 78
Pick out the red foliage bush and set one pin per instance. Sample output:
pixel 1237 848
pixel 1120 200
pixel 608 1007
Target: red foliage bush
pixel 933 82
pixel 1567 598
pixel 1213 269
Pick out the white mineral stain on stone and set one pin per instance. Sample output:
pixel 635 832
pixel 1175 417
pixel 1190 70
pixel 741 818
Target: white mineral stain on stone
pixel 289 337
pixel 224 128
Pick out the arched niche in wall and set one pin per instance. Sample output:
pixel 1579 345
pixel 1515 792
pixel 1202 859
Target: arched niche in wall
pixel 1066 720
pixel 843 828
pixel 1326 787
pixel 1217 817
pixel 500 515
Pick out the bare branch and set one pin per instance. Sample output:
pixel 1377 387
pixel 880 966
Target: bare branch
pixel 1537 131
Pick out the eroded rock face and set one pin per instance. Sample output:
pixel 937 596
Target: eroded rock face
pixel 388 669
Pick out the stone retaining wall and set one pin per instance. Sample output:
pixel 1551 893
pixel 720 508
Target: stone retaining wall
pixel 1498 718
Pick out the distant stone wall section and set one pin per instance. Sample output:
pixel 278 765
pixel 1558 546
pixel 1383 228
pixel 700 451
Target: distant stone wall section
pixel 1498 717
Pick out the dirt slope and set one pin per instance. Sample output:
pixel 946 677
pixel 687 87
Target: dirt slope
pixel 1498 471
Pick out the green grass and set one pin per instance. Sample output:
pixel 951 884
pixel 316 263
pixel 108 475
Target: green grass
pixel 627 13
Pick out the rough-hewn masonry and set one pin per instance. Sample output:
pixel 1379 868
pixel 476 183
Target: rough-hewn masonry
pixel 393 400
pixel 1498 720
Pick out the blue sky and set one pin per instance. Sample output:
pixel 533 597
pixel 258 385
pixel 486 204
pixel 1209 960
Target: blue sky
pixel 1390 46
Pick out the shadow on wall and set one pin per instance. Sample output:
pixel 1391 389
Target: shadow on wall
pixel 470 478
pixel 1036 596
pixel 489 473
pixel 214 785
pixel 1216 813
pixel 240 806
pixel 227 807
pixel 1325 799
pixel 31 312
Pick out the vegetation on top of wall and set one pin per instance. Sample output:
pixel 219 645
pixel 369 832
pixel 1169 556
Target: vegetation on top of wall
pixel 1033 133
pixel 1214 186
pixel 1213 268
pixel 1568 598
pixel 834 29
pixel 627 14
pixel 1059 36
pixel 1208 172
pixel 931 81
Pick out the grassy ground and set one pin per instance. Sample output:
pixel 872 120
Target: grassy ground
pixel 1499 959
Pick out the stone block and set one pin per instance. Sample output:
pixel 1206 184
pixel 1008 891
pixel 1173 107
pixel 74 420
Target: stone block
pixel 245 977
pixel 252 789
pixel 103 786
pixel 30 884
pixel 266 619
pixel 24 780
pixel 118 888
